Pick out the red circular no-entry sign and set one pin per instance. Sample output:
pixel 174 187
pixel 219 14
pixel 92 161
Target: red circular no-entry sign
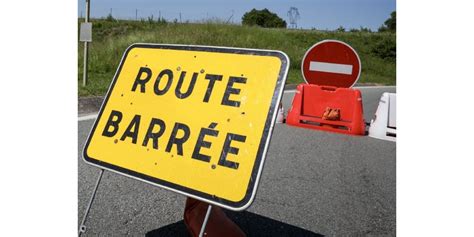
pixel 331 63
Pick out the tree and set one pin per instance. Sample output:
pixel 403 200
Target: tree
pixel 263 18
pixel 390 24
pixel 110 18
pixel 353 30
pixel 341 29
pixel 382 28
pixel 365 29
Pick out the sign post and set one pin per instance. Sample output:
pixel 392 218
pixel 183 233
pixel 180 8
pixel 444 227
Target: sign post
pixel 86 46
pixel 331 63
pixel 195 120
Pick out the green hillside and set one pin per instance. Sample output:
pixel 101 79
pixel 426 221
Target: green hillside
pixel 111 38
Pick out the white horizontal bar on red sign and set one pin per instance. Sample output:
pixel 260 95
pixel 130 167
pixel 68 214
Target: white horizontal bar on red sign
pixel 330 67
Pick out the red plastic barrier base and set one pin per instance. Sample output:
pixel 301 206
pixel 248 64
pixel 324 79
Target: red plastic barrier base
pixel 311 101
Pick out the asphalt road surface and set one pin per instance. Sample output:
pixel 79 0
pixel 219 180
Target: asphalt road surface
pixel 314 183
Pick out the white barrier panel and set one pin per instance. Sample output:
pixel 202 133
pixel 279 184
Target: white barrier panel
pixel 384 124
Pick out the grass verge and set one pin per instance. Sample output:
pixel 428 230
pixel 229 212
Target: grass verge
pixel 111 38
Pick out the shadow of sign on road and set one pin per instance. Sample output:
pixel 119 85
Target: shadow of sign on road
pixel 252 224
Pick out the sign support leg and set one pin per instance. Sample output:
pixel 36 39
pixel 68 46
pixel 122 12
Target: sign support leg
pixel 203 227
pixel 82 228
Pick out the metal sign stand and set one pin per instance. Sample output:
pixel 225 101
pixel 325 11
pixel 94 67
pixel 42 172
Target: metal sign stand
pixel 204 223
pixel 82 227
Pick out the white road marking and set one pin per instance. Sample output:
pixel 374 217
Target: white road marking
pixel 94 116
pixel 330 67
pixel 374 87
pixel 87 117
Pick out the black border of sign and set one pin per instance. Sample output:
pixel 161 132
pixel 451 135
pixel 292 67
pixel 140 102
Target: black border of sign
pixel 264 142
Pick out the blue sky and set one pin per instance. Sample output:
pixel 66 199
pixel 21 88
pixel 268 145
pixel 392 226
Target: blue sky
pixel 320 14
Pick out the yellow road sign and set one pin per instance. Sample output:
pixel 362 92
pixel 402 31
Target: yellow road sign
pixel 192 119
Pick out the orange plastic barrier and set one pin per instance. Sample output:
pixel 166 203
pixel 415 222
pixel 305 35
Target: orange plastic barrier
pixel 311 101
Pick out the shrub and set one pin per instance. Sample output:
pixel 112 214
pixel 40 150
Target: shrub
pixel 162 20
pixel 150 19
pixel 263 18
pixel 386 49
